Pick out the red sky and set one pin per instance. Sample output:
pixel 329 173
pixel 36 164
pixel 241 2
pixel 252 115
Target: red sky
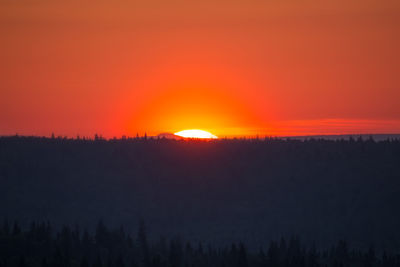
pixel 231 67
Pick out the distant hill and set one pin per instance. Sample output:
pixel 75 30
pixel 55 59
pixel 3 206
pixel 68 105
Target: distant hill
pixel 169 136
pixel 219 191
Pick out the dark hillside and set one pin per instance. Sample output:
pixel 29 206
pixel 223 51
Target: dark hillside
pixel 219 191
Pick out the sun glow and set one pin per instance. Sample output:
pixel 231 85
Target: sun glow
pixel 196 134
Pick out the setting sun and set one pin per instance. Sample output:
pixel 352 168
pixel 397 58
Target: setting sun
pixel 196 134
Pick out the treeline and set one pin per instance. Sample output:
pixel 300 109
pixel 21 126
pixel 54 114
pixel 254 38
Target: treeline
pixel 40 245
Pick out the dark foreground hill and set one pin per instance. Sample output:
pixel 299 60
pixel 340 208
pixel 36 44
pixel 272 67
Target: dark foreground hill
pixel 218 191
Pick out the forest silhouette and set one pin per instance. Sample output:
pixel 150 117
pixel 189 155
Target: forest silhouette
pixel 39 245
pixel 249 191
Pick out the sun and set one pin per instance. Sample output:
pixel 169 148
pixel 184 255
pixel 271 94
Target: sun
pixel 194 133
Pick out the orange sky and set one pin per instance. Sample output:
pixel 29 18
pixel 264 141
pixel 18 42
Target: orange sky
pixel 231 67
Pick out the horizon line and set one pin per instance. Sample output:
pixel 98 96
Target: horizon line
pixel 95 137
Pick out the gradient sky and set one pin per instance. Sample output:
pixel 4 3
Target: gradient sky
pixel 238 67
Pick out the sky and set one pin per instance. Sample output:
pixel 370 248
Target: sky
pixel 234 68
